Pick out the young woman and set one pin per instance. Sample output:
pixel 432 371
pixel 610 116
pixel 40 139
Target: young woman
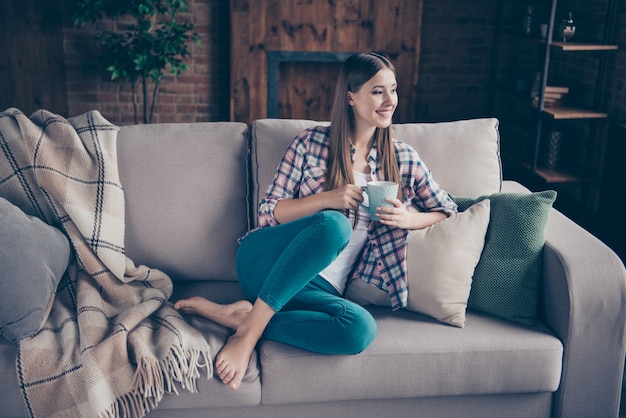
pixel 314 236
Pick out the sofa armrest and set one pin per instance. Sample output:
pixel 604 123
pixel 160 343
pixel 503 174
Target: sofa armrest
pixel 585 303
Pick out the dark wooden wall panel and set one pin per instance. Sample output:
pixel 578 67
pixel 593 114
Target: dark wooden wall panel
pixel 309 90
pixel 392 27
pixel 32 70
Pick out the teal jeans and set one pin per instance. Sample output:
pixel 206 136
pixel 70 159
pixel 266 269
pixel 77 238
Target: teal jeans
pixel 280 266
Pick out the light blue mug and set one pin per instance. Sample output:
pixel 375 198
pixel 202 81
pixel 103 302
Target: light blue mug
pixel 377 193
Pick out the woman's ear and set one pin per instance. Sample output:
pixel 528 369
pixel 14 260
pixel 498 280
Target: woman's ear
pixel 350 101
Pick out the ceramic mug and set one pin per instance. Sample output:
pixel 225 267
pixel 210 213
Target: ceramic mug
pixel 377 192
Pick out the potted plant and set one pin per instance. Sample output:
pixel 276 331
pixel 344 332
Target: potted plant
pixel 154 39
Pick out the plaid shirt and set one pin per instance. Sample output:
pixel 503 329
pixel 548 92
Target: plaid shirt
pixel 302 172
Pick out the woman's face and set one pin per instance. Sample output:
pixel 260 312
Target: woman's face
pixel 374 103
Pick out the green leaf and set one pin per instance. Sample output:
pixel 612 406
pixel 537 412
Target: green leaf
pixel 154 36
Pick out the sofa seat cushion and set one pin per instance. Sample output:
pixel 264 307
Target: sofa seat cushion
pixel 415 356
pixel 10 395
pixel 214 393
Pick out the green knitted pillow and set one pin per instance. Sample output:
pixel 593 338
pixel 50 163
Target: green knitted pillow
pixel 507 277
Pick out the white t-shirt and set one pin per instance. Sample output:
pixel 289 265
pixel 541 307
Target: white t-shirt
pixel 337 272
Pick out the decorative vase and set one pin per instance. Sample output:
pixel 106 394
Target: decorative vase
pixel 567 28
pixel 553 149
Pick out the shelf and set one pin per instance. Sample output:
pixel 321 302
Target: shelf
pixel 557 176
pixel 569 112
pixel 561 113
pixel 578 46
pixel 563 46
pixel 548 175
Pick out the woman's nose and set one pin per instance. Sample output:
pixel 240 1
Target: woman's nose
pixel 389 97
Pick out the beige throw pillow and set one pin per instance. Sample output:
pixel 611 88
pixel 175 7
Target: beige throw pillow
pixel 441 261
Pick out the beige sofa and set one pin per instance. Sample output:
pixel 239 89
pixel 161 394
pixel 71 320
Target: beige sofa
pixel 192 191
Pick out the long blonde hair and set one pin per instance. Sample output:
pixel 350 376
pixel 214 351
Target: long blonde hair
pixel 356 71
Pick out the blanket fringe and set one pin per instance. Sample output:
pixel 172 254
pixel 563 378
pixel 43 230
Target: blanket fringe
pixel 153 379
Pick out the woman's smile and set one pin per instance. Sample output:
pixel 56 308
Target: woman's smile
pixel 385 113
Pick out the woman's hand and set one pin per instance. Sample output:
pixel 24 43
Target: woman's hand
pixel 348 196
pixel 399 217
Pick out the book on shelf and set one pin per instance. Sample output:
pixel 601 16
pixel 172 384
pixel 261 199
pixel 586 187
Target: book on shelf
pixel 557 89
pixel 548 101
pixel 552 95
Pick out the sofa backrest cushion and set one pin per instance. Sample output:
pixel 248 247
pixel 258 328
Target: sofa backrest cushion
pixel 464 156
pixel 186 188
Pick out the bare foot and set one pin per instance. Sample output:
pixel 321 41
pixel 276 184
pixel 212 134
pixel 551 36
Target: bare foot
pixel 230 315
pixel 232 362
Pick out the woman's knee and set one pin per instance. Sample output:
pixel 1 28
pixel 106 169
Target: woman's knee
pixel 334 227
pixel 361 331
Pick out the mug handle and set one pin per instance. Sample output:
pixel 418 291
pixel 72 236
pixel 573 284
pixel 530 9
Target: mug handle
pixel 361 203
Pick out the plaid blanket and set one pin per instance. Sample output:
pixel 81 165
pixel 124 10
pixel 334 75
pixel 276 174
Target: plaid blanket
pixel 112 345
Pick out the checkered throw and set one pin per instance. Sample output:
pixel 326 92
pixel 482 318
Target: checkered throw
pixel 112 345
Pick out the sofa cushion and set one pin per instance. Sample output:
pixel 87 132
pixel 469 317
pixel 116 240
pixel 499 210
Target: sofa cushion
pixel 214 393
pixel 414 356
pixel 11 397
pixel 269 139
pixel 178 219
pixel 506 279
pixel 441 261
pixel 33 259
pixel 463 155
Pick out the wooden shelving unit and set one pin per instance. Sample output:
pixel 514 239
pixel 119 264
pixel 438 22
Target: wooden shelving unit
pixel 532 129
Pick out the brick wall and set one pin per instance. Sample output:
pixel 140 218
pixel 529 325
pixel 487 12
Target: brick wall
pixel 454 71
pixel 199 94
pixel 455 61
